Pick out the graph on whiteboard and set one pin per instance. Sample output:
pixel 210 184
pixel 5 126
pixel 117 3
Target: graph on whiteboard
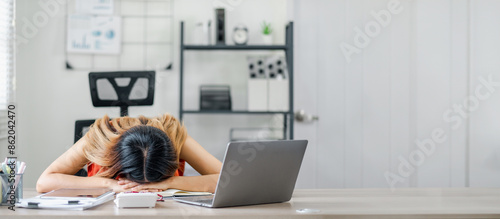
pixel 94 34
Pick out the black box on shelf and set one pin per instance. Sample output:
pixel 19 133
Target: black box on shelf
pixel 215 97
pixel 220 26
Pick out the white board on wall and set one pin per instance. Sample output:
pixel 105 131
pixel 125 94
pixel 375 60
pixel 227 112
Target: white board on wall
pixel 93 34
pixel 146 41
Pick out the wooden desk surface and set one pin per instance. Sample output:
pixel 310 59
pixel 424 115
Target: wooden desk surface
pixel 332 203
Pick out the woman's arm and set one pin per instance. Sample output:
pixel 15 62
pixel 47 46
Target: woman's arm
pixel 202 161
pixel 60 174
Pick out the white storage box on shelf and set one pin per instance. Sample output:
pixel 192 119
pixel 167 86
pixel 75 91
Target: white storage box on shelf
pixel 277 83
pixel 257 85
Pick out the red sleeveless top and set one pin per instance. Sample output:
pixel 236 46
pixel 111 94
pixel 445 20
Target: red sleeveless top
pixel 93 168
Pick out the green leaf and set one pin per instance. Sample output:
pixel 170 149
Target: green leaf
pixel 266 28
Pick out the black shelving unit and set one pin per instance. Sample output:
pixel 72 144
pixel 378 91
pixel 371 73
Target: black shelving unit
pixel 287 48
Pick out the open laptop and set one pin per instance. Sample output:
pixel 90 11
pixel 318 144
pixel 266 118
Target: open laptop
pixel 256 172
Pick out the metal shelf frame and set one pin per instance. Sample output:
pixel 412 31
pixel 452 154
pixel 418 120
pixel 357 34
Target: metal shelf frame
pixel 288 116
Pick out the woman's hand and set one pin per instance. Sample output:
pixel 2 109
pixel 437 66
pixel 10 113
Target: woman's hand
pixel 150 187
pixel 115 186
pixel 127 184
pixel 146 187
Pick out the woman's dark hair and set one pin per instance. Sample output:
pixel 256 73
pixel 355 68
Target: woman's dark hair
pixel 146 154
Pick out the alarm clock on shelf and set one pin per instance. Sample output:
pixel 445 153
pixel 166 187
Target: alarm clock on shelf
pixel 240 35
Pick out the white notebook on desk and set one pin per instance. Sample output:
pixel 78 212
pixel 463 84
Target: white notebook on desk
pixel 69 199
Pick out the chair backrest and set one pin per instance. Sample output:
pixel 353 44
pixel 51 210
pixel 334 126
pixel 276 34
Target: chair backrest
pixel 122 89
pixel 81 127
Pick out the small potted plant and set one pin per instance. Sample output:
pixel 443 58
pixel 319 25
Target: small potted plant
pixel 267 31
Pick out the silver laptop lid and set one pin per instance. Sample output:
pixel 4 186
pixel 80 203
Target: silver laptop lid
pixel 259 172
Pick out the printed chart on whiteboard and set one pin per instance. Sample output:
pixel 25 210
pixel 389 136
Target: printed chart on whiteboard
pixel 94 34
pixel 115 35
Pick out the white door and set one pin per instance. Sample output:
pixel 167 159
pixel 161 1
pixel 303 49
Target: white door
pixel 384 110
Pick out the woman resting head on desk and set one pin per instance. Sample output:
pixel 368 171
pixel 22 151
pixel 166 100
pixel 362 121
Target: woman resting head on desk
pixel 133 154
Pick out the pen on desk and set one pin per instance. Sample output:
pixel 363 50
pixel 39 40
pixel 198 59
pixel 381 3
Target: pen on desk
pixel 20 172
pixel 5 168
pixel 3 184
pixel 21 168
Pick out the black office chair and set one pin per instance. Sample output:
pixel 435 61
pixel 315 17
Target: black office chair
pixel 82 127
pixel 122 89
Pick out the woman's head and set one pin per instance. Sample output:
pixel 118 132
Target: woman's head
pixel 146 154
pixel 141 149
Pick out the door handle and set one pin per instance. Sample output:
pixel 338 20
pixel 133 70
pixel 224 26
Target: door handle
pixel 302 116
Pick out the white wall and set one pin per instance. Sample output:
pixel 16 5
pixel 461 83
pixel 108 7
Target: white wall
pixel 50 98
